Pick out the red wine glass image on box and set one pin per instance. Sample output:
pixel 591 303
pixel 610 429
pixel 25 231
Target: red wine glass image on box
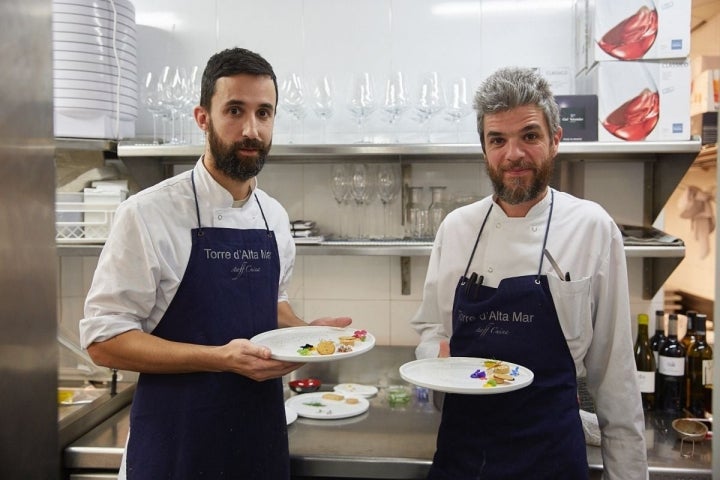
pixel 635 110
pixel 634 34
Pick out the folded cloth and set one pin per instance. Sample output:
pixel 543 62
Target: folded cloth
pixel 591 429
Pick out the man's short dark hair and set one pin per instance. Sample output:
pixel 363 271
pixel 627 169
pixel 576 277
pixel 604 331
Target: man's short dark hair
pixel 227 63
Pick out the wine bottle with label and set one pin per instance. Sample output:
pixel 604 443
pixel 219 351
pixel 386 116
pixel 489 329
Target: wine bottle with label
pixel 689 337
pixel 657 340
pixel 645 363
pixel 670 378
pixel 700 364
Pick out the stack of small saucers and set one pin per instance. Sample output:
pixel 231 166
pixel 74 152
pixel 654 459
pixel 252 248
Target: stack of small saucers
pixel 94 68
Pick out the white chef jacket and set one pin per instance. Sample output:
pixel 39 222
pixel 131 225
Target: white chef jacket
pixel 148 249
pixel 593 308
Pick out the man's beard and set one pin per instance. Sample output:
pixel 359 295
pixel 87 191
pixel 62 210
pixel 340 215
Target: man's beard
pixel 227 160
pixel 517 191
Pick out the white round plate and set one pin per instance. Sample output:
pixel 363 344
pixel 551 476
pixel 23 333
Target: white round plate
pixel 62 74
pixel 124 49
pixel 95 39
pixel 285 343
pixel 366 391
pixel 96 86
pixel 104 95
pixel 290 415
pixel 93 11
pixel 454 375
pixel 313 405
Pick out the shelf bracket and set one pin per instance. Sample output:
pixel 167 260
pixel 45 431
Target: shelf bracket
pixel 405 274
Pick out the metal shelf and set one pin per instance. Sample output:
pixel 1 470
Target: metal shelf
pixel 380 248
pixel 446 151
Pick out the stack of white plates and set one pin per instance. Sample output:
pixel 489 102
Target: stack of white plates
pixel 95 86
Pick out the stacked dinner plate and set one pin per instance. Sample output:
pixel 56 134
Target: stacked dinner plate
pixel 95 86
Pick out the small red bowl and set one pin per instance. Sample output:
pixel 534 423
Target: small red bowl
pixel 305 385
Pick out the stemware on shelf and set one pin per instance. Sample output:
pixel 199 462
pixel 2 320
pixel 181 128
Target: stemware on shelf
pixel 292 100
pixel 362 188
pixel 388 186
pixel 192 99
pixel 458 106
pixel 323 101
pixel 396 102
pixel 416 220
pixel 362 101
pixel 430 101
pixel 341 186
pixel 174 89
pixel 151 96
pixel 438 208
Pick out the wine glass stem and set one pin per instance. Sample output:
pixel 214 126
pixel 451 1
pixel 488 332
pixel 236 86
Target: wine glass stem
pixel 154 137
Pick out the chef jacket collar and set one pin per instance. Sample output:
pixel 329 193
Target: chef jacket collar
pixel 208 187
pixel 536 211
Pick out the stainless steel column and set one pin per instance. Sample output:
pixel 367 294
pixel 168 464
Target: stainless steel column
pixel 28 263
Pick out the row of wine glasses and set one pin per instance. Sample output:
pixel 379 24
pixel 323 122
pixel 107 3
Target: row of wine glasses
pixel 430 99
pixel 355 186
pixel 170 96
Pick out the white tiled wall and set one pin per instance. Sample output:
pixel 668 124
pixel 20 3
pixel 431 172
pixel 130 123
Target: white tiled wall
pixel 339 37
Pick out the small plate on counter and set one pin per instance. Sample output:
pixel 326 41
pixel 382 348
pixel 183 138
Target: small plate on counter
pixel 305 344
pixel 327 405
pixel 366 391
pixel 290 415
pixel 469 375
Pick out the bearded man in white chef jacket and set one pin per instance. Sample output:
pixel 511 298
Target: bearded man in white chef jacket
pixel 193 268
pixel 489 267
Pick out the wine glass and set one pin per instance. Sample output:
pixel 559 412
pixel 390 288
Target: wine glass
pixel 396 102
pixel 430 101
pixel 292 100
pixel 192 98
pixel 458 105
pixel 151 95
pixel 174 90
pixel 362 101
pixel 387 189
pixel 340 184
pixel 323 101
pixel 361 188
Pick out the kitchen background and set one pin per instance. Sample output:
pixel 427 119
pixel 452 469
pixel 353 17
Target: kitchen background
pixel 340 38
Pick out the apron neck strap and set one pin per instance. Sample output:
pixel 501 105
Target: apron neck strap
pixel 197 206
pixel 482 227
pixel 547 230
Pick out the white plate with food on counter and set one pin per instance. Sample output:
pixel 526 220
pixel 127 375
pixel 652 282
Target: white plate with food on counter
pixel 315 343
pixel 327 405
pixel 469 375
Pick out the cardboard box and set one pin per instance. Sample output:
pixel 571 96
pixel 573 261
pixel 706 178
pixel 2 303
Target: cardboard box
pixel 700 63
pixel 638 101
pixel 705 93
pixel 706 126
pixel 578 117
pixel 631 30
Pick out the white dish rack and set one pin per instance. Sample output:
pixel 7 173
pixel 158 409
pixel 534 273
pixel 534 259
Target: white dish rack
pixel 85 217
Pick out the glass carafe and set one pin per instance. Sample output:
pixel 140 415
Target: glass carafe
pixel 438 208
pixel 416 220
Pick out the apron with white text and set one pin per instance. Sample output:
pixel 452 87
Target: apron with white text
pixel 214 425
pixel 532 433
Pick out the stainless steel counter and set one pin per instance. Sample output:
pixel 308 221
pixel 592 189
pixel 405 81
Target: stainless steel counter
pixel 384 442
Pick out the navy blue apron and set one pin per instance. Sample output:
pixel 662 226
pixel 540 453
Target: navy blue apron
pixel 214 425
pixel 532 433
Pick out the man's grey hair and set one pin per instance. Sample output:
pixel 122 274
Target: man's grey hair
pixel 513 87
